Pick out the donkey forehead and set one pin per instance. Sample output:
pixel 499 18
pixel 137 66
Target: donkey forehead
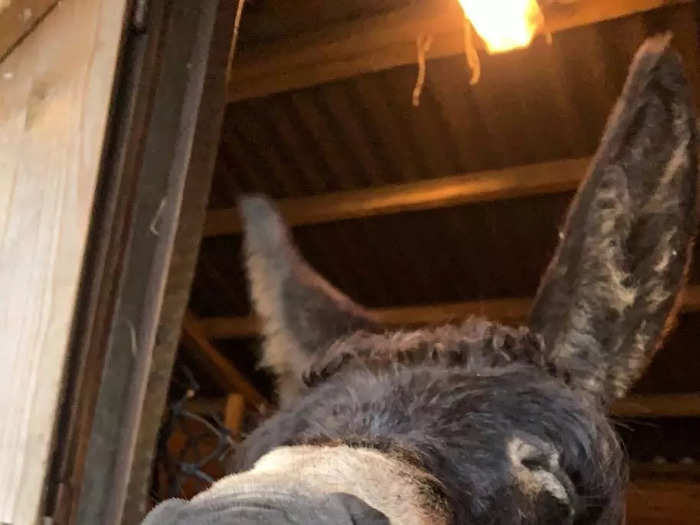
pixel 484 405
pixel 478 368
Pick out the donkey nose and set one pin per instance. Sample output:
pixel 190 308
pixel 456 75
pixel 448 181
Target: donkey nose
pixel 267 507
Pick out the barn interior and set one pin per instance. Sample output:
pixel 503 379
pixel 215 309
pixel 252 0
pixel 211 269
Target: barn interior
pixel 423 213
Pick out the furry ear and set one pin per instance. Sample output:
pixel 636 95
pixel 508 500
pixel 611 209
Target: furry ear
pixel 302 313
pixel 612 288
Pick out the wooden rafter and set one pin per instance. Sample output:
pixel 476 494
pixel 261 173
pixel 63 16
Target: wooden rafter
pixel 226 375
pixel 644 406
pixel 509 310
pixel 663 502
pixel 533 179
pixel 18 19
pixel 234 411
pixel 389 40
pixel 659 405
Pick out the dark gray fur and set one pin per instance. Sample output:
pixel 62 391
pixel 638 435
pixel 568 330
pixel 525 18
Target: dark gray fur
pixel 452 413
pixel 449 399
pixel 452 400
pixel 610 292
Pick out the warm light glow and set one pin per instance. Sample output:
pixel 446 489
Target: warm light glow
pixel 504 24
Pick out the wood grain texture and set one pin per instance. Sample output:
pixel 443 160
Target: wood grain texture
pixel 507 310
pixel 18 18
pixel 233 413
pixel 664 405
pixel 54 103
pixel 389 40
pixel 184 257
pixel 650 405
pixel 221 369
pixel 663 503
pixel 509 183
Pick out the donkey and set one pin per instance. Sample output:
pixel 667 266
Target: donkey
pixel 475 423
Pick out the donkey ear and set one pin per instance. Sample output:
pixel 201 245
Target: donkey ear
pixel 302 313
pixel 612 289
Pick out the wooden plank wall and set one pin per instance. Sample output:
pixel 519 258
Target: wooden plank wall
pixel 55 92
pixel 18 18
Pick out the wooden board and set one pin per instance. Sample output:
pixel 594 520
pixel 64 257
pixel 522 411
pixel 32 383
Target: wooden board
pixel 507 310
pixel 233 413
pixel 644 406
pixel 660 502
pixel 55 94
pixel 18 18
pixel 661 405
pixel 220 369
pixel 509 183
pixel 389 40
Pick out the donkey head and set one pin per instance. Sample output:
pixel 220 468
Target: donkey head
pixel 611 289
pixel 480 423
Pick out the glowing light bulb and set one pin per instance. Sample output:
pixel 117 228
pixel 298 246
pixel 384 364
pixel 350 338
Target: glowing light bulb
pixel 504 24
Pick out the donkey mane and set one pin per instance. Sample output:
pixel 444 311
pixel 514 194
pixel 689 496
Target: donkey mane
pixel 474 345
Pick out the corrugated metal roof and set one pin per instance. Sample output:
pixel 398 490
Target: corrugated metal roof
pixel 268 21
pixel 542 103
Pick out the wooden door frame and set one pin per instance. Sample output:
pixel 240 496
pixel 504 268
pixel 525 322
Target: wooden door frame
pixel 156 175
pixel 163 140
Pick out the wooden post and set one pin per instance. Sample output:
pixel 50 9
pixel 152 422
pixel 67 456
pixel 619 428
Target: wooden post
pixel 18 18
pixel 233 413
pixel 183 262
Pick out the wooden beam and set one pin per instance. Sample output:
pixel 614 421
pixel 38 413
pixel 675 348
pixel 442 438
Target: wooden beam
pixel 206 406
pixel 659 472
pixel 663 405
pixel 55 100
pixel 234 411
pixel 18 18
pixel 641 406
pixel 389 40
pixel 221 369
pixel 230 327
pixel 663 502
pixel 533 179
pixel 508 310
pixel 498 309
